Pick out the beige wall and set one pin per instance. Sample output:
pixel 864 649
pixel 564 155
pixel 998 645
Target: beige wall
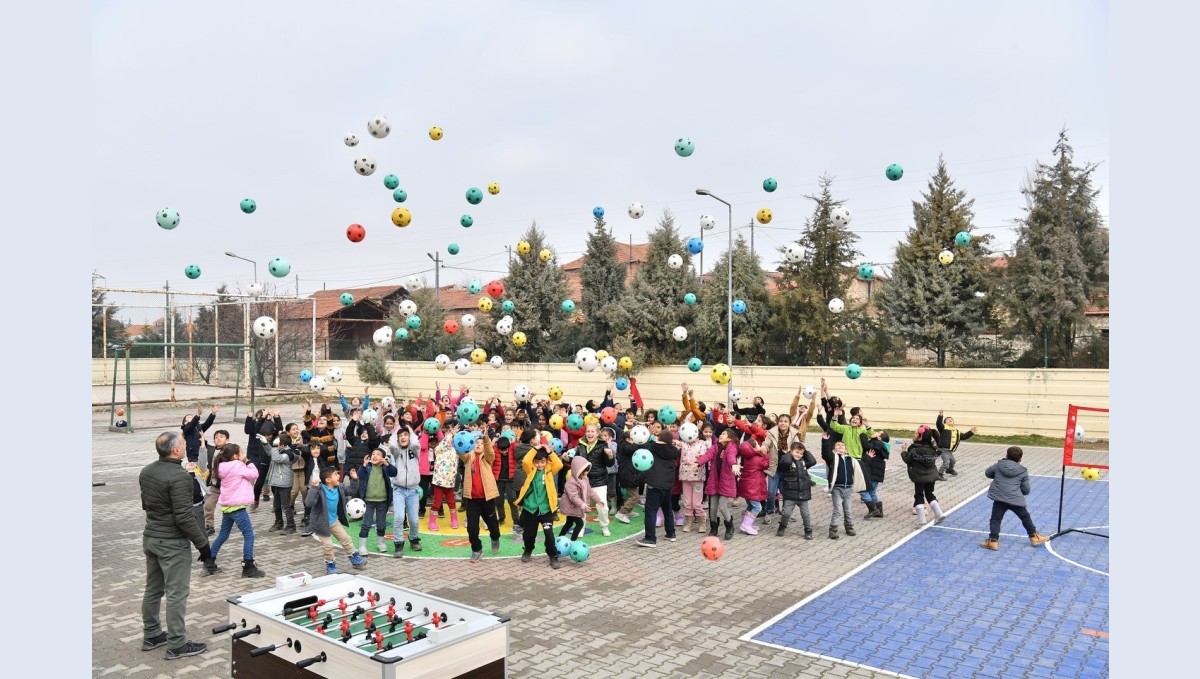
pixel 997 401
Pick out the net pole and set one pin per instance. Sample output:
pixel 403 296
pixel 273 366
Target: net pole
pixel 237 388
pixel 1062 485
pixel 216 371
pixel 128 392
pixel 112 409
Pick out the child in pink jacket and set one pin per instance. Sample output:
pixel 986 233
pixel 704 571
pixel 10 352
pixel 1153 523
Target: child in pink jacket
pixel 577 497
pixel 691 483
pixel 235 479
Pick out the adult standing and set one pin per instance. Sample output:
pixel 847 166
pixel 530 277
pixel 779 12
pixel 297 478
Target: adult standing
pixel 171 524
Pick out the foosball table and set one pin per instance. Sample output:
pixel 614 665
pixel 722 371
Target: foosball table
pixel 347 625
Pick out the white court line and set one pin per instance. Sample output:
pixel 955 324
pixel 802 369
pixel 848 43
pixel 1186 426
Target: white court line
pixel 1074 563
pixel 839 661
pixel 982 532
pixel 1069 478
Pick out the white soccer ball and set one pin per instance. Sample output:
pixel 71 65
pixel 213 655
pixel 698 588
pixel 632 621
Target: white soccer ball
pixel 442 361
pixel 368 416
pixel 707 222
pixel 334 374
pixel 735 395
pixel 836 305
pixel 468 321
pixel 317 383
pixel 1079 432
pixel 639 434
pixel 365 165
pixel 840 215
pixel 674 261
pixel 466 399
pixel 379 127
pixel 382 336
pixel 689 432
pixel 809 392
pixel 609 364
pixel 496 362
pixel 794 252
pixel 254 289
pixel 585 359
pixel 504 326
pixel 462 366
pixel 636 210
pixel 265 327
pixel 388 402
pixel 414 282
pixel 355 508
pixel 351 139
pixel 521 392
pixel 679 333
pixel 408 308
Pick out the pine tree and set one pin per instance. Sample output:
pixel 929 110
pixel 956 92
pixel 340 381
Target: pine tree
pixel 750 329
pixel 104 324
pixel 801 321
pixel 602 280
pixel 653 305
pixel 537 289
pixel 426 342
pixel 373 368
pixel 930 305
pixel 1060 261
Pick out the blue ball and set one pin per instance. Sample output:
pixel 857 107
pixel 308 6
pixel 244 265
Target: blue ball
pixel 279 267
pixel 563 544
pixel 452 248
pixel 695 364
pixel 391 181
pixel 689 298
pixel 643 460
pixel 248 205
pixel 667 415
pixel 191 271
pixel 622 384
pixel 401 334
pixel 579 551
pixel 467 413
pixel 684 147
pixel 413 322
pixel 347 299
pixel 598 212
pixel 854 371
pixel 894 172
pixel 508 306
pixel 695 245
pixel 305 376
pixel 769 184
pixel 739 307
pixel 574 422
pixel 962 238
pixel 556 444
pixel 474 196
pixel 399 195
pixel 464 442
pixel 466 221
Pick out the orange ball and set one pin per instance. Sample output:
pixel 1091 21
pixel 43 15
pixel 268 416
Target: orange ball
pixel 711 548
pixel 608 415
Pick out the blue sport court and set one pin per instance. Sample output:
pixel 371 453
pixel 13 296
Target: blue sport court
pixel 938 605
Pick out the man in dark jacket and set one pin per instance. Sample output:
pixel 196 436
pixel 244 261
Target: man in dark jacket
pixel 171 524
pixel 660 477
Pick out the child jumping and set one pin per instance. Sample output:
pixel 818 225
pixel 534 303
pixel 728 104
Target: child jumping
pixel 948 440
pixel 327 517
pixel 445 471
pixel 575 499
pixel 538 501
pixel 1010 485
pixel 921 458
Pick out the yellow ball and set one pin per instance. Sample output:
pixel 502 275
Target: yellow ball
pixel 556 422
pixel 601 355
pixel 946 257
pixel 555 393
pixel 545 255
pixel 721 374
pixel 485 304
pixel 435 133
pixel 590 419
pixel 479 355
pixel 1089 473
pixel 401 216
pixel 493 188
pixel 524 247
pixel 625 363
pixel 764 216
pixel 518 339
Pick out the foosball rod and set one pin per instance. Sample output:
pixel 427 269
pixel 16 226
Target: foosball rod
pixel 263 650
pixel 395 633
pixel 288 610
pixel 308 622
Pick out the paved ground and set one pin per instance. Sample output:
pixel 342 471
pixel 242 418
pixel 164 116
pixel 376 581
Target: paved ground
pixel 628 612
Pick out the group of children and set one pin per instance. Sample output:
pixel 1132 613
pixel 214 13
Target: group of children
pixel 708 467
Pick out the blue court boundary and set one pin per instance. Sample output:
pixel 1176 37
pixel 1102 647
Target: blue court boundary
pixel 935 604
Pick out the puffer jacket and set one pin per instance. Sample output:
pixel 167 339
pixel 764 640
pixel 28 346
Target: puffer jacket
pixel 553 465
pixel 268 427
pixel 574 501
pixel 922 462
pixel 875 467
pixel 597 455
pixel 237 483
pixel 795 484
pixel 1010 482
pixel 191 435
pixel 628 475
pixel 167 500
pixel 721 480
pixel 661 474
pixel 689 470
pixel 445 464
pixel 280 475
pixel 752 484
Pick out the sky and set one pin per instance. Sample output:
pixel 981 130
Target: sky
pixel 567 106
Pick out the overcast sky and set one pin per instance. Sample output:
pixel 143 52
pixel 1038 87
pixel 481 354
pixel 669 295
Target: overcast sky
pixel 567 106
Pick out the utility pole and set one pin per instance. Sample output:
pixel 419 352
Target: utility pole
pixel 437 276
pixel 509 248
pixel 751 236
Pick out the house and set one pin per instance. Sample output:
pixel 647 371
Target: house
pixel 633 256
pixel 340 329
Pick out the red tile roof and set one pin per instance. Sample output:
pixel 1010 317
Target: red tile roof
pixel 624 254
pixel 329 301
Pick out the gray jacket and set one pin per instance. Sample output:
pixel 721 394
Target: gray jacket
pixel 408 463
pixel 167 500
pixel 1010 482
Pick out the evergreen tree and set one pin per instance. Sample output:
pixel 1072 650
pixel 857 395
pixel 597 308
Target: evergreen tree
pixel 104 322
pixel 603 284
pixel 1060 261
pixel 750 329
pixel 425 343
pixel 653 304
pixel 801 310
pixel 930 305
pixel 373 368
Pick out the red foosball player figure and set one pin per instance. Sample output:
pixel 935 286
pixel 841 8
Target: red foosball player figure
pixel 320 630
pixel 436 620
pixel 391 612
pixel 378 640
pixel 368 619
pixel 345 627
pixel 312 613
pixel 408 629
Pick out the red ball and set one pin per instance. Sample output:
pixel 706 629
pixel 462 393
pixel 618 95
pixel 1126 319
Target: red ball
pixel 608 415
pixel 711 548
pixel 495 289
pixel 355 232
pixel 451 326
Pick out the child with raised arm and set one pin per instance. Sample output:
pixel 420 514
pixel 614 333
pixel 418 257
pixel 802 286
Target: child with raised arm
pixel 948 440
pixel 327 518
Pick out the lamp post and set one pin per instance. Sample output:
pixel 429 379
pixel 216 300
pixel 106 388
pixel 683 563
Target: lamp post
pixel 729 303
pixel 702 230
pixel 437 276
pixel 246 320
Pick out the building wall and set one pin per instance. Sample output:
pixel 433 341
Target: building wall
pixel 998 401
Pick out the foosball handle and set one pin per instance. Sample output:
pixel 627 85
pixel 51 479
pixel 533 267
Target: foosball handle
pixel 224 628
pixel 263 650
pixel 312 661
pixel 247 632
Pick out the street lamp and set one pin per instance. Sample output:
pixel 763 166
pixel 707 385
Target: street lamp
pixel 729 305
pixel 230 254
pixel 703 228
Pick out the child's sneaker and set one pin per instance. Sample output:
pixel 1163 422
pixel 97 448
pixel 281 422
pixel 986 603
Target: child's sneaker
pixel 331 568
pixel 399 553
pixel 621 517
pixel 526 556
pixel 357 561
pixel 554 562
